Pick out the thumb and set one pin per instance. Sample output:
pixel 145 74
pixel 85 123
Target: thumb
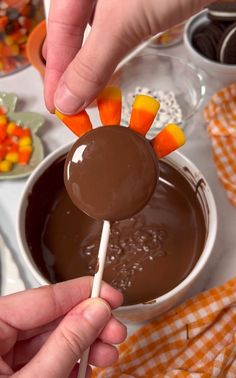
pixel 89 71
pixel 77 331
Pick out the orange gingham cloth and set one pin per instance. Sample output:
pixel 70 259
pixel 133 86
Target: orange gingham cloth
pixel 195 340
pixel 220 114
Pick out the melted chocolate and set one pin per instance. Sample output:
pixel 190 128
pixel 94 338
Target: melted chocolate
pixel 111 173
pixel 148 255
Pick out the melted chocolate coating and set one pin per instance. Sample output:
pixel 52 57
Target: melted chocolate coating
pixel 148 254
pixel 111 173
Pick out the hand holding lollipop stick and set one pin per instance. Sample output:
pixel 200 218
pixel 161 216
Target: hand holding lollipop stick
pixel 107 163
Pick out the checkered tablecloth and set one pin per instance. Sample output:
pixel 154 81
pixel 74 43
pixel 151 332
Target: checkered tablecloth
pixel 220 114
pixel 195 340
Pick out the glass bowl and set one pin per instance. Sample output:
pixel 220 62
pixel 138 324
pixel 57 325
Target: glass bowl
pixel 177 84
pixel 17 20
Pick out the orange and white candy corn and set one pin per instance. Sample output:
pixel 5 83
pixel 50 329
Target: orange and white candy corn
pixel 79 123
pixel 109 105
pixel 144 111
pixel 25 153
pixel 168 140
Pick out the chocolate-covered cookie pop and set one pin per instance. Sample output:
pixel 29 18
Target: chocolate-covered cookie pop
pixel 111 173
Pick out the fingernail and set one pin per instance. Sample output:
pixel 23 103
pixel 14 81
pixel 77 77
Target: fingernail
pixel 97 312
pixel 65 101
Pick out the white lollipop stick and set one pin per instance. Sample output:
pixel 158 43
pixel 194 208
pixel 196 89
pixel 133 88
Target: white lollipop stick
pixel 46 4
pixel 97 282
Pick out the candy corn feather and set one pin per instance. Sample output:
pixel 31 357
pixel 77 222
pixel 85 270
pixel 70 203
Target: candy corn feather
pixel 109 105
pixel 144 111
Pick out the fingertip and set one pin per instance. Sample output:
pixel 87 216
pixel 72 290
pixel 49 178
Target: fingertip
pixel 120 298
pixel 50 83
pixel 103 355
pixel 49 106
pixel 48 99
pixel 114 332
pixel 66 101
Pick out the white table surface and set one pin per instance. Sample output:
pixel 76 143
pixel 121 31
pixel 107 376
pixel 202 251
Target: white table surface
pixel 29 87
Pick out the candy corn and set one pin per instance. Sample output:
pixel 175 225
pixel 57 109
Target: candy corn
pixel 3 132
pixel 10 128
pixel 25 155
pixel 3 152
pixel 18 131
pixel 79 123
pixel 109 106
pixel 10 144
pixel 3 120
pixel 15 143
pixel 25 141
pixel 168 140
pixel 143 113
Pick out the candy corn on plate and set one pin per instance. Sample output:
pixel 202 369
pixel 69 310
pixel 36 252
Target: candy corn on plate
pixel 20 148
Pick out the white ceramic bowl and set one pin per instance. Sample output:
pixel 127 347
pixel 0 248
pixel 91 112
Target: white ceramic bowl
pixel 226 73
pixel 139 312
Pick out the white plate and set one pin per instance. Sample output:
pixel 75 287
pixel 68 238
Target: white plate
pixel 10 279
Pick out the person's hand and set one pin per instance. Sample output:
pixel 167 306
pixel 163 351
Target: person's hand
pixel 75 75
pixel 43 332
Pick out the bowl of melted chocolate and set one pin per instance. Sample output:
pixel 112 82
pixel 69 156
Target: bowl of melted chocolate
pixel 153 257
